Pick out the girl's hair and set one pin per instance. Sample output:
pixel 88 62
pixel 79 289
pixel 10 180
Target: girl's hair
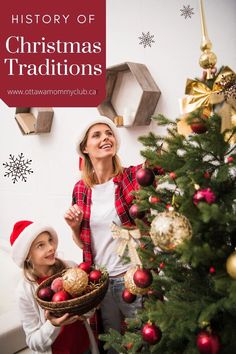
pixel 88 174
pixel 30 274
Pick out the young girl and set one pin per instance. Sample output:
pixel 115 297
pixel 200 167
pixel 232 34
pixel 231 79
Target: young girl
pixel 34 250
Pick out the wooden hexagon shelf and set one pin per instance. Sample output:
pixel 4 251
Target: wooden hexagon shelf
pixel 150 92
pixel 34 120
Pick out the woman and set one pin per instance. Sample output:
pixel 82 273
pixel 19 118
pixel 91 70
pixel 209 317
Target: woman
pixel 102 196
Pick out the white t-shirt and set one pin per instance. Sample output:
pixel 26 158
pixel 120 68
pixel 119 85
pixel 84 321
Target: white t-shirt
pixel 103 213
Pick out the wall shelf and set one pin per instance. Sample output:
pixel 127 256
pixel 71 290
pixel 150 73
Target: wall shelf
pixel 34 120
pixel 149 97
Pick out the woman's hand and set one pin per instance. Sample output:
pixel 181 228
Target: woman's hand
pixel 74 217
pixel 61 321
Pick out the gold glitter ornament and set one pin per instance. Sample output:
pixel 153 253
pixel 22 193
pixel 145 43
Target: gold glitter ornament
pixel 169 229
pixel 130 285
pixel 207 60
pixel 75 281
pixel 231 265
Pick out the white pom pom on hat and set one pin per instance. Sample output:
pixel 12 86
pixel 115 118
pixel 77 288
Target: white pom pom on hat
pixel 23 234
pixel 89 124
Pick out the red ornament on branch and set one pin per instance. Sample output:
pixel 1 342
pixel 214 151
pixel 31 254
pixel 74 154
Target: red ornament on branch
pixel 230 159
pixel 168 206
pixel 162 265
pixel 135 213
pixel 145 177
pixel 204 195
pixel 142 278
pixel 128 296
pixel 207 175
pixel 153 199
pixel 151 333
pixel 172 175
pixel 128 345
pixel 198 127
pixel 212 270
pixel 208 343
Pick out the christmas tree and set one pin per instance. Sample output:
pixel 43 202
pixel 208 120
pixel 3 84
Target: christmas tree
pixel 185 213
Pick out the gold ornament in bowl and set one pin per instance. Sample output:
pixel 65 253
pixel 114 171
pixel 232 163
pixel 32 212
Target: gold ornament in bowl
pixel 170 229
pixel 75 281
pixel 131 286
pixel 231 265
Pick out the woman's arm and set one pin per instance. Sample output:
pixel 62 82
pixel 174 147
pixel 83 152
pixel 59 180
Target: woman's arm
pixel 74 217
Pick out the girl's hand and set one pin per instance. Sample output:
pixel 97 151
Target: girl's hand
pixel 61 321
pixel 74 217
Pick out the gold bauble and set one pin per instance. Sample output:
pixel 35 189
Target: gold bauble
pixel 130 285
pixel 169 229
pixel 75 281
pixel 231 265
pixel 206 45
pixel 208 60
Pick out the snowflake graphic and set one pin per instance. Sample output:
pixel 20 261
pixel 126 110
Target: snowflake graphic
pixel 146 39
pixel 187 11
pixel 17 168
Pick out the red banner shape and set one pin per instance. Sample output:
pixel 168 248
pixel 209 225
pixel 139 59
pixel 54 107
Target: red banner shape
pixel 53 53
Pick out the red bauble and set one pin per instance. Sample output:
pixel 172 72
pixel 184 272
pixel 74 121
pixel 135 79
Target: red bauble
pixel 86 266
pixel 168 206
pixel 45 294
pixel 145 177
pixel 61 296
pixel 212 270
pixel 151 333
pixel 205 195
pixel 198 127
pixel 207 175
pixel 153 199
pixel 230 159
pixel 135 213
pixel 128 346
pixel 142 278
pixel 208 343
pixel 128 297
pixel 57 284
pixel 172 175
pixel 158 170
pixel 162 265
pixel 95 275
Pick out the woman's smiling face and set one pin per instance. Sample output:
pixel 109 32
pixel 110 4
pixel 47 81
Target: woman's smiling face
pixel 101 142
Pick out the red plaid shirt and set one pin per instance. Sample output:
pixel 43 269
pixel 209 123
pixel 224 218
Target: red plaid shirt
pixel 125 184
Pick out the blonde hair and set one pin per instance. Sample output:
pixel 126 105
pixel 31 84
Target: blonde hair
pixel 30 274
pixel 88 175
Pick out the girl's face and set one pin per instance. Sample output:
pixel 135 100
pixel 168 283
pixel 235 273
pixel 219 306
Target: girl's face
pixel 101 142
pixel 42 251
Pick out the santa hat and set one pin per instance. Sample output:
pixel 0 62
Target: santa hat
pixel 23 234
pixel 89 124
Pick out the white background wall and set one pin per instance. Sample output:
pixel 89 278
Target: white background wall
pixel 171 59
